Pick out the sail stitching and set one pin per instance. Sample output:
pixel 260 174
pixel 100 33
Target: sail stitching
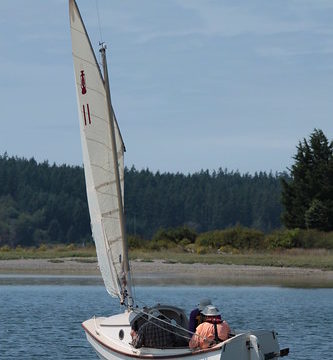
pixel 109 213
pixel 100 118
pixel 92 64
pixel 104 185
pixel 98 142
pixel 110 242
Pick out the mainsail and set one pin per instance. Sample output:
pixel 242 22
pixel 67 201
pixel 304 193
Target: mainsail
pixel 98 158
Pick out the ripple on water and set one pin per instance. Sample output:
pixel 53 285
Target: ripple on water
pixel 44 321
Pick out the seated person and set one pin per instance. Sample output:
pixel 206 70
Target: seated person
pixel 154 333
pixel 212 331
pixel 196 317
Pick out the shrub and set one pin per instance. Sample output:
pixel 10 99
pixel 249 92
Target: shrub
pixel 191 248
pixel 153 246
pixel 237 237
pixel 185 242
pixel 175 235
pixel 70 247
pixel 135 242
pixel 310 239
pixel 5 248
pixel 228 249
pixel 285 239
pixel 201 250
pixel 42 247
pixel 165 244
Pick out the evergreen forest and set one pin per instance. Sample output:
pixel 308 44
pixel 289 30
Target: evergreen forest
pixel 44 204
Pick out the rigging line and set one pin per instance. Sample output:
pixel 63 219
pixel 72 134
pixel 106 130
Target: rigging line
pixel 166 322
pixel 144 304
pixel 133 282
pixel 99 23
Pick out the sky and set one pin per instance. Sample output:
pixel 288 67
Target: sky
pixel 195 84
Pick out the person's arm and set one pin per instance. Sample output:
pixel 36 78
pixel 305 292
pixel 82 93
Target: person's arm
pixel 192 321
pixel 137 339
pixel 224 331
pixel 194 342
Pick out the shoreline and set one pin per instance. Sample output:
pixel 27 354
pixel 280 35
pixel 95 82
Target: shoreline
pixel 159 272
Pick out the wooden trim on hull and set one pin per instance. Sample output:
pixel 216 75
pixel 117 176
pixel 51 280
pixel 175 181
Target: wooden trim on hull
pixel 194 353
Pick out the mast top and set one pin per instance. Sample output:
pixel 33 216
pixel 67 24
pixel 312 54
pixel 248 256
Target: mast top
pixel 102 45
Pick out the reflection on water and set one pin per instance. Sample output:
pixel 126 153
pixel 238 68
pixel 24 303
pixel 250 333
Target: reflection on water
pixel 171 279
pixel 13 279
pixel 44 321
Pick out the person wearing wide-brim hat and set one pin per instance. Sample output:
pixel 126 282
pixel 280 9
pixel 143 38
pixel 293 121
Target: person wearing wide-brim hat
pixel 196 317
pixel 212 331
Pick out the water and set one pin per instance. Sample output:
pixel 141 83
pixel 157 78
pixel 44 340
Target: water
pixel 44 321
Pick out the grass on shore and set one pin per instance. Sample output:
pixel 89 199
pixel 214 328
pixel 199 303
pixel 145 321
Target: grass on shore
pixel 314 258
pixel 47 252
pixel 311 258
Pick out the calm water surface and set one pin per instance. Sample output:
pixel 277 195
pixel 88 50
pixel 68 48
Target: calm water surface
pixel 44 321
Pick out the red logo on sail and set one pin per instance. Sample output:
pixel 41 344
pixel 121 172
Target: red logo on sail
pixel 83 83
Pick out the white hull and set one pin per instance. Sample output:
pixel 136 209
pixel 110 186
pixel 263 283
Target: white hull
pixel 110 338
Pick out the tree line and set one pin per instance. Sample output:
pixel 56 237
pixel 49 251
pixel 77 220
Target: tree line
pixel 42 203
pixel 202 201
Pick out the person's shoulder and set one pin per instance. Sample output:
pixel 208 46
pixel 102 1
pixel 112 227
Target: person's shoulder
pixel 201 326
pixel 195 312
pixel 225 325
pixel 225 322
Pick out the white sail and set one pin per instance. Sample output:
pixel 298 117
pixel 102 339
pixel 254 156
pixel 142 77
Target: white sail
pixel 98 156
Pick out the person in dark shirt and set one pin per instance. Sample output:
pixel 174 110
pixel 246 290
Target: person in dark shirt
pixel 154 333
pixel 196 317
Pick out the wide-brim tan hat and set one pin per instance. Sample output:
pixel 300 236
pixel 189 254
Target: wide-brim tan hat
pixel 211 310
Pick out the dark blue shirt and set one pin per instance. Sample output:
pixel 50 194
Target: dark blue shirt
pixel 194 320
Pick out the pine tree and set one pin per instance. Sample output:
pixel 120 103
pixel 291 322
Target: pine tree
pixel 308 196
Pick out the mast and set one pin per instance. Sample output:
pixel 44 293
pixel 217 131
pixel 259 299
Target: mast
pixel 126 282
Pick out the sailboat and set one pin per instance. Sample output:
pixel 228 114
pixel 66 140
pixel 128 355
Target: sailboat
pixel 103 157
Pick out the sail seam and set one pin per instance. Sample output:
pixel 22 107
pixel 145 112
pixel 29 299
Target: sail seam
pixel 109 213
pixel 110 242
pixel 106 194
pixel 98 142
pixel 108 171
pixel 104 184
pixel 100 118
pixel 92 64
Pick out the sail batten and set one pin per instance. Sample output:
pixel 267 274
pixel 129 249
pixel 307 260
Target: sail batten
pixel 100 148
